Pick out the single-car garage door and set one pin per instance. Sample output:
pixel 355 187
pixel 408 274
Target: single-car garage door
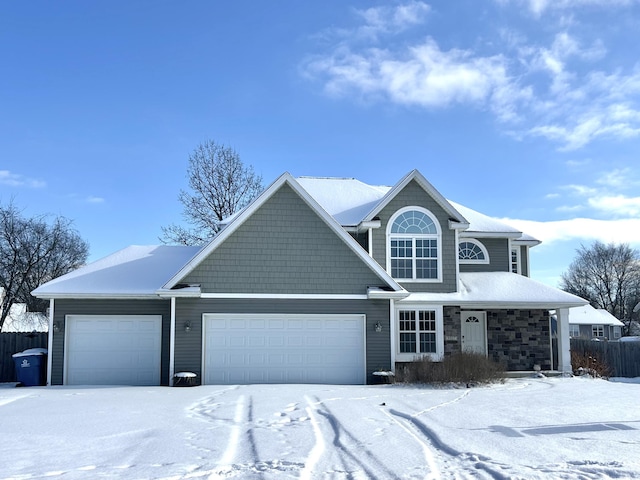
pixel 244 349
pixel 113 349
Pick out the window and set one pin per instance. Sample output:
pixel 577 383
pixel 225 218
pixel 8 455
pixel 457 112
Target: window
pixel 597 331
pixel 414 245
pixel 417 329
pixel 574 330
pixel 617 333
pixel 472 251
pixel 515 259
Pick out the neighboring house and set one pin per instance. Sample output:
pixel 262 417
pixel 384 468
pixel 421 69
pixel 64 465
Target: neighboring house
pixel 319 280
pixel 19 320
pixel 588 322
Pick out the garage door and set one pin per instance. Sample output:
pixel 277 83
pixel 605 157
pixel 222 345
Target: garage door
pixel 113 350
pixel 244 349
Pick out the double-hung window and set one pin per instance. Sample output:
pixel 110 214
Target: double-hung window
pixel 419 333
pixel 597 331
pixel 414 246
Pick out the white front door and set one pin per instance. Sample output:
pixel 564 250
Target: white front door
pixel 474 332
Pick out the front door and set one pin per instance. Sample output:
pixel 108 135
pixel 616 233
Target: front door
pixel 474 332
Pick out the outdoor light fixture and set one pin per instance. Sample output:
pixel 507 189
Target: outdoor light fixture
pixel 187 326
pixel 56 326
pixel 378 327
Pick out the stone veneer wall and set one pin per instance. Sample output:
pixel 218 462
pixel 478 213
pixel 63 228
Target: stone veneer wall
pixel 519 339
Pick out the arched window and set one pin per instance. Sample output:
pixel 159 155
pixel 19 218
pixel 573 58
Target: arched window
pixel 472 251
pixel 414 240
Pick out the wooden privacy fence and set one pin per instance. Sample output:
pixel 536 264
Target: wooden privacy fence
pixel 11 343
pixel 623 358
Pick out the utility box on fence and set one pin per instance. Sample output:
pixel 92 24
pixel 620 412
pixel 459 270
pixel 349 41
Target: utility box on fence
pixel 31 366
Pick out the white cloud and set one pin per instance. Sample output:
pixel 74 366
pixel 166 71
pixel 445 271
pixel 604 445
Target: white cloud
pixel 17 180
pixel 618 205
pixel 550 91
pixel 540 7
pixel 581 229
pixel 92 199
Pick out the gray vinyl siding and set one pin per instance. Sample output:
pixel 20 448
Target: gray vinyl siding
pixel 284 247
pixel 499 256
pixel 108 307
pixel 414 195
pixel 188 345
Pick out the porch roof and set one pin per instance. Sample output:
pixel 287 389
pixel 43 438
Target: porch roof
pixel 499 290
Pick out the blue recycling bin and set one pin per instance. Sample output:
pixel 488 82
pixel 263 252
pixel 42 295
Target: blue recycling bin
pixel 31 366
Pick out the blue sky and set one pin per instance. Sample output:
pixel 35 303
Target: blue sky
pixel 527 110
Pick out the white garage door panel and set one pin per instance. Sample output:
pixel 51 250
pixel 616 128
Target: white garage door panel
pixel 113 350
pixel 241 349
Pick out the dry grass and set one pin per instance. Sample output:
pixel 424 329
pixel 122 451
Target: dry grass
pixel 584 363
pixel 461 368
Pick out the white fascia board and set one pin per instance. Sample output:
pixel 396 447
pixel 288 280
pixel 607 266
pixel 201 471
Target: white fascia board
pixel 430 189
pixel 255 205
pixel 285 296
pixel 474 234
pixel 100 296
pixel 458 225
pixel 188 292
pixel 526 243
pixel 380 293
pixel 365 226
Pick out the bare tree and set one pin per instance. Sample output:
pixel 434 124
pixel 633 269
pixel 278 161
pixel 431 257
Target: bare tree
pixel 220 186
pixel 34 251
pixel 608 276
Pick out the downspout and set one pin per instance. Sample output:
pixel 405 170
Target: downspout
pixel 50 342
pixel 172 341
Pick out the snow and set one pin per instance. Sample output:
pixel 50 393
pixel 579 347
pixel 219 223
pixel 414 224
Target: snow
pixel 533 428
pixel 587 315
pixel 505 289
pixel 137 270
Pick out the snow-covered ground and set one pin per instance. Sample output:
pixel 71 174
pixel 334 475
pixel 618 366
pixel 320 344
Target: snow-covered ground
pixel 531 428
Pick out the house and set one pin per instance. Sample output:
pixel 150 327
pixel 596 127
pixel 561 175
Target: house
pixel 318 280
pixel 592 323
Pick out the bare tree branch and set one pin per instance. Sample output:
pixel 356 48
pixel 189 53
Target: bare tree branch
pixel 220 185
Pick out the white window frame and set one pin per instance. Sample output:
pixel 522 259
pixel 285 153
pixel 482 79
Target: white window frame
pixel 413 356
pixel 517 263
pixel 437 236
pixel 596 329
pixel 617 332
pixel 574 330
pixel 482 248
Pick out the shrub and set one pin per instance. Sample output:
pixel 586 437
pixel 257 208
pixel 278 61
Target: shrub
pixel 588 363
pixel 463 367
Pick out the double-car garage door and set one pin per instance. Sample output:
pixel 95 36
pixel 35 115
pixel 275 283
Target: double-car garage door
pixel 237 349
pixel 244 349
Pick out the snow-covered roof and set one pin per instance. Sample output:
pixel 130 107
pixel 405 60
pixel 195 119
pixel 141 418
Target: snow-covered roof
pixel 587 315
pixel 349 200
pixel 136 271
pixel 500 290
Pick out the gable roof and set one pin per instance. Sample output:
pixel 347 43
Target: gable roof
pixel 352 202
pixel 243 215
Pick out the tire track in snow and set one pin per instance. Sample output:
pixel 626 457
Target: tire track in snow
pixel 234 435
pixel 436 451
pixel 364 461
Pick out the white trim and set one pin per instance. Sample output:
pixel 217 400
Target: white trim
pixel 430 189
pixel 361 316
pixel 457 240
pixel 438 237
pixel 392 334
pixel 50 341
pixel 172 341
pixel 285 178
pixel 410 357
pixel 286 296
pixel 469 261
pixel 518 259
pixel 476 234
